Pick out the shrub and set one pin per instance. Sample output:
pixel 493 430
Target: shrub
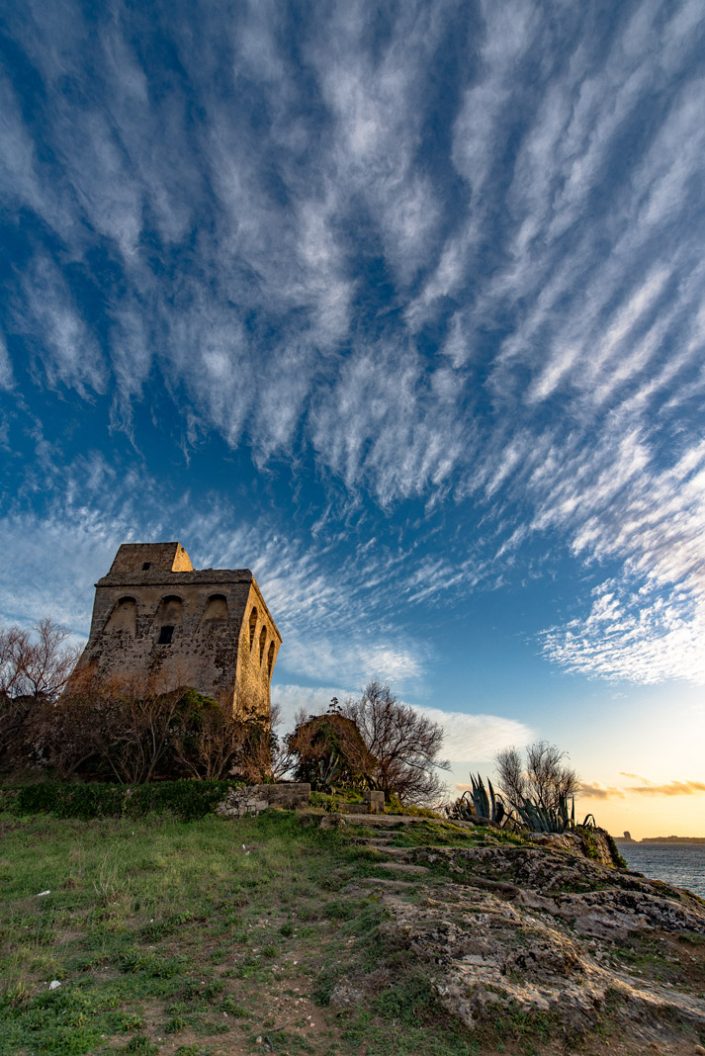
pixel 186 799
pixel 115 731
pixel 479 804
pixel 71 801
pixel 331 754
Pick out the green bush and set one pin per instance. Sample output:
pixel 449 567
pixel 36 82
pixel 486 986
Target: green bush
pixel 71 801
pixel 186 799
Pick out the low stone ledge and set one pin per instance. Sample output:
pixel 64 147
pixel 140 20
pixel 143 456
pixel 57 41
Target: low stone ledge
pixel 253 799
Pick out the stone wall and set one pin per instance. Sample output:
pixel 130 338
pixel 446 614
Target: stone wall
pixel 256 798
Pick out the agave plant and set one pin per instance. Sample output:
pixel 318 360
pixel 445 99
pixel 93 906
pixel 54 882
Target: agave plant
pixel 479 804
pixel 547 819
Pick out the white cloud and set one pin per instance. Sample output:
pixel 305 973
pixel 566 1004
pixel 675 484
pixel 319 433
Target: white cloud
pixel 291 699
pixel 467 737
pixel 382 424
pixel 477 738
pixel 355 661
pixel 633 636
pixel 6 377
pixel 68 350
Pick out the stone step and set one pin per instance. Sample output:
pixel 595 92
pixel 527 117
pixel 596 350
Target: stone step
pixel 404 867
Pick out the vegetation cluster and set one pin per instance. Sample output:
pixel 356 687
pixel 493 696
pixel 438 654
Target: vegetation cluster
pixel 65 726
pixel 114 733
pixel 374 742
pixel 184 799
pixel 536 793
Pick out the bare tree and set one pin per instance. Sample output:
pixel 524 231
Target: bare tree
pixel 35 665
pixel 141 734
pixel 282 761
pixel 404 743
pixel 34 668
pixel 511 777
pixel 542 778
pixel 14 641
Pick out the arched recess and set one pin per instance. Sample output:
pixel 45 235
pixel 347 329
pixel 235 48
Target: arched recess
pixel 262 643
pixel 270 659
pixel 253 625
pixel 169 617
pixel 123 617
pixel 216 608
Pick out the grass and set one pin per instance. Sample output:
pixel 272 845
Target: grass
pixel 436 833
pixel 211 937
pixel 192 938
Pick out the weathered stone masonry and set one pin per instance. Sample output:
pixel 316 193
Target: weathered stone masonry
pixel 158 621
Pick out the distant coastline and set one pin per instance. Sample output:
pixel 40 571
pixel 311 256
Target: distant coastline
pixel 663 839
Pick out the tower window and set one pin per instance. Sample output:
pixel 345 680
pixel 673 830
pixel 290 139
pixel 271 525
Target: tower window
pixel 253 624
pixel 262 643
pixel 270 659
pixel 146 565
pixel 123 617
pixel 166 633
pixel 217 608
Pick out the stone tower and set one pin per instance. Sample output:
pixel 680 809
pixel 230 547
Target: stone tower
pixel 158 621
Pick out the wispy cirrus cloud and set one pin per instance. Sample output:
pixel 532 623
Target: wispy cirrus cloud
pixel 673 788
pixel 596 791
pixel 58 335
pixel 6 379
pixel 449 254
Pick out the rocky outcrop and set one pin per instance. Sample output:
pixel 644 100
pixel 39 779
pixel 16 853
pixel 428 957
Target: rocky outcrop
pixel 538 933
pixel 593 843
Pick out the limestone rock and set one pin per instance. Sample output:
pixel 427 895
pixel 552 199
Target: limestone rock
pixel 519 930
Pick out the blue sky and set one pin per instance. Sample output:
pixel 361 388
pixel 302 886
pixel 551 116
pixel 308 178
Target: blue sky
pixel 400 305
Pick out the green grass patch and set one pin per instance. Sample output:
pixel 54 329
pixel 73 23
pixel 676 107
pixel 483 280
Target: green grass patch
pixel 161 931
pixel 430 833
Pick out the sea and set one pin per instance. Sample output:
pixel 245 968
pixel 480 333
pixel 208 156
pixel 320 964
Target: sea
pixel 682 864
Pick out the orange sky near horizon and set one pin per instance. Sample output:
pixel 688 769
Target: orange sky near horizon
pixel 645 814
